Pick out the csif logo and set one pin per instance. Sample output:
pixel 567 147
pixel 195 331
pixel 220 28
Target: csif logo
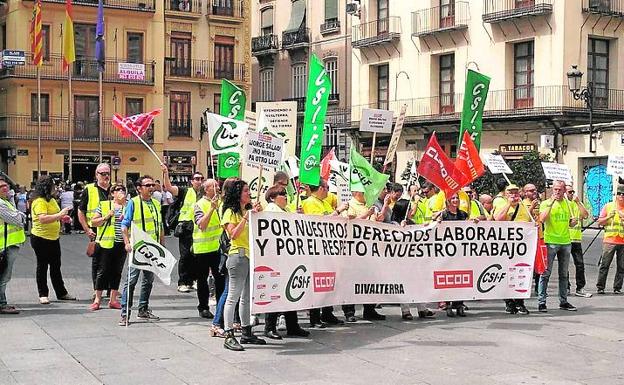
pixel 230 162
pixel 490 277
pixel 225 137
pixel 298 284
pixel 310 162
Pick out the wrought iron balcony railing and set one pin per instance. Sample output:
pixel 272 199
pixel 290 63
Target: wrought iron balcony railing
pixel 181 128
pixel 264 45
pixel 300 103
pixel 183 8
pixel 127 5
pixel 204 69
pixel 604 7
pixel 330 26
pixel 495 11
pixel 376 32
pixel 228 8
pixel 438 19
pixel 296 39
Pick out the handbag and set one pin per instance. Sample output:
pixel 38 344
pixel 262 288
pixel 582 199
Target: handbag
pixel 93 247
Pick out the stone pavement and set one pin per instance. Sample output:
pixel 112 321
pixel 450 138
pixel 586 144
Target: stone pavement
pixel 65 343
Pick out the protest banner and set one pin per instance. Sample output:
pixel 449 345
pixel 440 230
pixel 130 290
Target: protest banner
pixel 263 150
pixel 396 136
pixel 477 86
pixel 496 164
pixel 615 165
pixel 283 119
pixel 557 171
pixel 233 101
pixel 148 254
pixel 303 262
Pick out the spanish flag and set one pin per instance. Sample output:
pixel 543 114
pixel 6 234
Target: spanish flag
pixel 69 50
pixel 36 37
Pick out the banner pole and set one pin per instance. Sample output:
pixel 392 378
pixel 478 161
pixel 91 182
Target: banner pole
pixel 38 123
pixel 373 148
pixel 148 147
pixel 101 116
pixel 128 290
pixel 214 176
pixel 69 122
pixel 259 184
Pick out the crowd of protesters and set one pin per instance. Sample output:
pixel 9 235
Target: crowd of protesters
pixel 210 221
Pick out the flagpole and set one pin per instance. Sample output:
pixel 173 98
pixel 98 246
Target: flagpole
pixel 128 290
pixel 101 115
pixel 38 123
pixel 69 122
pixel 259 184
pixel 373 148
pixel 214 176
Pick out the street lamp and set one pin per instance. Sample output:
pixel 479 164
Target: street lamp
pixel 586 94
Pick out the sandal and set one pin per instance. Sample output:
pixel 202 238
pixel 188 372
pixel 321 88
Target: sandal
pixel 216 331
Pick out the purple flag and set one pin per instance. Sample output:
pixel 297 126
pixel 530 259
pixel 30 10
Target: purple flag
pixel 100 55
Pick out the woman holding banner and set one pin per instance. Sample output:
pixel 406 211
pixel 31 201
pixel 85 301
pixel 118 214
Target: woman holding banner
pixel 236 209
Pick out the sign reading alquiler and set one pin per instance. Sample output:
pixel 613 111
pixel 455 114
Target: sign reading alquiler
pixel 517 149
pixel 303 262
pixel 131 71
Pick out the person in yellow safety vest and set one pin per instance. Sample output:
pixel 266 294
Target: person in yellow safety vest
pixel 206 236
pixel 144 212
pixel 185 227
pixel 576 236
pixel 12 236
pixel 486 203
pixel 469 205
pixel 107 219
pixel 92 195
pixel 612 217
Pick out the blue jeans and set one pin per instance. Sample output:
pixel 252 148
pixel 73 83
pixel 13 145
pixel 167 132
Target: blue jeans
pixel 218 317
pixel 562 252
pixel 5 277
pixel 146 290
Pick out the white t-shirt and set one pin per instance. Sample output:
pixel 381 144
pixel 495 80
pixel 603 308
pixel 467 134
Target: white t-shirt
pixel 167 198
pixel 67 199
pixel 158 196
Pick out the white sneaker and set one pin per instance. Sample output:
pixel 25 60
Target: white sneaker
pixel 582 293
pixel 44 300
pixel 183 289
pixel 194 285
pixel 281 323
pixel 254 321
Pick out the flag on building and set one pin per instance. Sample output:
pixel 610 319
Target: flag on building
pixel 364 178
pixel 137 124
pixel 468 160
pixel 100 52
pixel 147 254
pixel 69 49
pixel 225 134
pixel 36 36
pixel 438 169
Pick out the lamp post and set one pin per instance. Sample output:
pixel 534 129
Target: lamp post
pixel 587 95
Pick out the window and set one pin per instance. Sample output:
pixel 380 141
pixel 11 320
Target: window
pixel 331 10
pixel 447 84
pixel 86 123
pixel 84 42
pixel 223 7
pixel 447 13
pixel 383 86
pixel 523 75
pixel 134 106
pixel 299 80
pixel 524 3
pixel 331 67
pixel 598 70
pixel 217 104
pixel 134 45
pixel 224 57
pixel 179 113
pixel 45 34
pixel 181 53
pixel 45 107
pixel 266 21
pixel 382 16
pixel 266 85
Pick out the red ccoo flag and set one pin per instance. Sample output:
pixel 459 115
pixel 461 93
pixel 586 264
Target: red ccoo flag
pixel 325 165
pixel 468 160
pixel 438 169
pixel 135 124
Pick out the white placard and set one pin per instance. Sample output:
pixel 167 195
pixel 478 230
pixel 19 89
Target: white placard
pixel 615 165
pixel 263 150
pixel 374 120
pixel 557 171
pixel 304 261
pixel 131 71
pixel 396 136
pixel 250 118
pixel 496 164
pixel 283 119
pixel 339 180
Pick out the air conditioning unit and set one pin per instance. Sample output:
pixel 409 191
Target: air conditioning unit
pixel 547 141
pixel 353 9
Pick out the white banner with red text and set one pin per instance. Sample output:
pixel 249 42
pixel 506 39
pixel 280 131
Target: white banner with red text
pixel 303 261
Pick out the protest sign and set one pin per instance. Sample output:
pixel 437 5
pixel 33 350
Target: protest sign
pixel 263 150
pixel 615 165
pixel 233 101
pixel 225 134
pixel 282 117
pixel 497 164
pixel 250 119
pixel 303 262
pixel 396 136
pixel 378 121
pixel 557 171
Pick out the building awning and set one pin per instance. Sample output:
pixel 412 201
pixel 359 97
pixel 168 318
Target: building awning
pixel 297 15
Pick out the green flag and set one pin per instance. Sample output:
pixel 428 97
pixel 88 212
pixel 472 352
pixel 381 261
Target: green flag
pixel 475 94
pixel 233 101
pixel 364 178
pixel 319 87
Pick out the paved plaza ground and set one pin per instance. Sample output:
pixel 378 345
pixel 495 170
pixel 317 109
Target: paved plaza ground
pixel 65 343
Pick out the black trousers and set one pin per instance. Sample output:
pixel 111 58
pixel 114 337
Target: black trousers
pixel 186 262
pixel 514 302
pixel 270 321
pixel 48 253
pixel 164 210
pixel 315 314
pixel 350 309
pixel 110 267
pixel 204 264
pixel 577 256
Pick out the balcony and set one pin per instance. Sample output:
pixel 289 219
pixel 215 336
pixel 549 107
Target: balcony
pixel 204 70
pixel 126 5
pixel 376 32
pixel 181 128
pixel 330 26
pixel 333 98
pixel 264 45
pixel 440 19
pixel 604 7
pixel 296 39
pixel 84 69
pixel 509 103
pixel 496 11
pixel 55 128
pixel 183 9
pixel 300 103
pixel 220 11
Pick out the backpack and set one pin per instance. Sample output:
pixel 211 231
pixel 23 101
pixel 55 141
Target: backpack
pixel 174 213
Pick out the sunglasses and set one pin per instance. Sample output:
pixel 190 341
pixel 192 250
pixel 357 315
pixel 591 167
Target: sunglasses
pixel 104 173
pixel 148 185
pixel 571 192
pixel 198 178
pixel 620 193
pixel 119 189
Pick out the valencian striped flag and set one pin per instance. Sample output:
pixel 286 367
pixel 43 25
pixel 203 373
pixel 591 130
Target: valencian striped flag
pixel 36 37
pixel 69 50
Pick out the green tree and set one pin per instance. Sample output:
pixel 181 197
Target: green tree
pixel 525 170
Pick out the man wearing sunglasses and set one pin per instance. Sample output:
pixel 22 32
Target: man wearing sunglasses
pixel 185 227
pixel 579 212
pixel 611 217
pixel 91 197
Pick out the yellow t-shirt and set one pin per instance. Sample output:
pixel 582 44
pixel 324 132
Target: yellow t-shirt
pixel 331 200
pixel 315 206
pixel 242 242
pixel 522 216
pixel 437 202
pixel 356 208
pixel 48 231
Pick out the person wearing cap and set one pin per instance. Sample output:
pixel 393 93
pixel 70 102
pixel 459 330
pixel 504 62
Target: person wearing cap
pixel 611 217
pixel 579 212
pixel 514 211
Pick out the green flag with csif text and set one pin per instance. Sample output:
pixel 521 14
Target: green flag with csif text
pixel 233 101
pixel 475 94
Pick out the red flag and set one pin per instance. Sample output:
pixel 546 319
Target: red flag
pixel 468 160
pixel 135 123
pixel 438 169
pixel 325 165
